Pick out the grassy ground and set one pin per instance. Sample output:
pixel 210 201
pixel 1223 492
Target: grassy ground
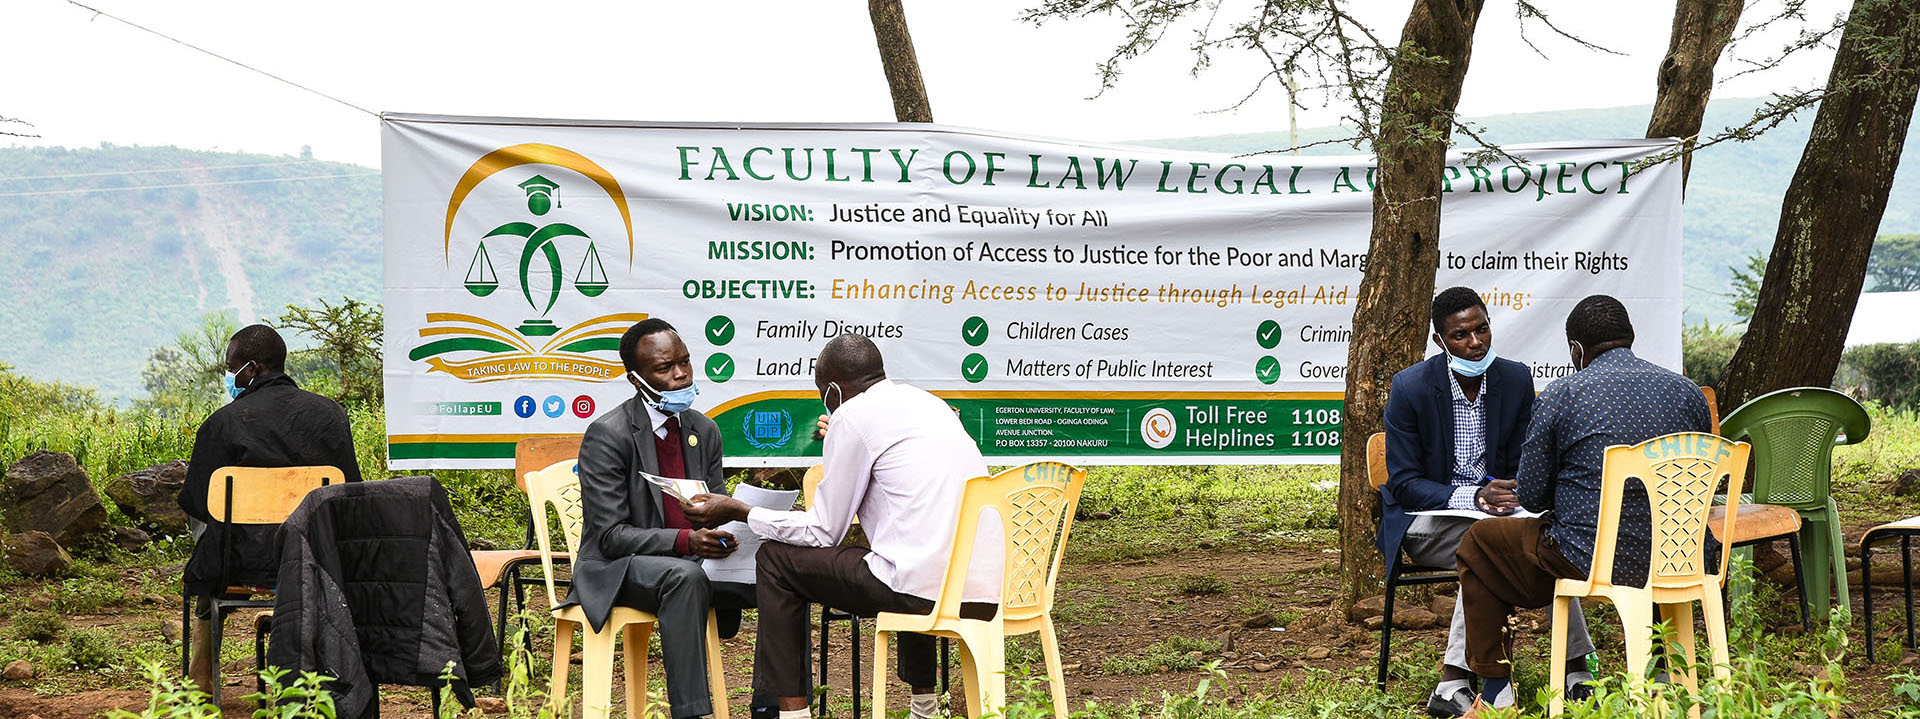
pixel 1188 591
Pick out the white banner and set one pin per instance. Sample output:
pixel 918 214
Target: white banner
pixel 1103 304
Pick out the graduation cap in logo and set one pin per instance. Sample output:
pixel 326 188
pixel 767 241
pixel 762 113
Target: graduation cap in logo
pixel 542 194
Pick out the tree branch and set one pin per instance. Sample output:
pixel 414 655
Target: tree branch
pixel 1525 10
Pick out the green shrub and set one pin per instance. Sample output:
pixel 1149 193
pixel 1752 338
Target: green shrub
pixel 1887 373
pixel 1906 686
pixel 1705 351
pixel 91 649
pixel 88 596
pixel 1199 584
pixel 1174 654
pixel 39 626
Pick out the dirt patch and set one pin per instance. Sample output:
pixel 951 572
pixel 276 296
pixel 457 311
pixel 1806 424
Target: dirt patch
pixel 1267 617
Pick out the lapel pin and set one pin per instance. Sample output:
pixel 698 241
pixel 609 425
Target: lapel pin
pixel 693 441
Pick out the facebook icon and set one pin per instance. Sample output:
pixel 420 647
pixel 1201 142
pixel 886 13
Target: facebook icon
pixel 524 406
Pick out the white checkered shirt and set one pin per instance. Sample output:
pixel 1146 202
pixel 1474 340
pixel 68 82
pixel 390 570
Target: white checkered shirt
pixel 1469 444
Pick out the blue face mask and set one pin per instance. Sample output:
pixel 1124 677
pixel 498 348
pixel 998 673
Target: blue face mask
pixel 234 390
pixel 1470 368
pixel 670 402
pixel 833 387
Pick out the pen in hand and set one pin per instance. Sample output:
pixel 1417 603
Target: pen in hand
pixel 1499 496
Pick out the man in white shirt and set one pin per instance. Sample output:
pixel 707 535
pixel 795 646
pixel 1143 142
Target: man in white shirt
pixel 897 457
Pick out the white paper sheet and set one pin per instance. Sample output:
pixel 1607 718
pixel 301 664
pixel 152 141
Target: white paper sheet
pixel 682 489
pixel 738 566
pixel 1473 514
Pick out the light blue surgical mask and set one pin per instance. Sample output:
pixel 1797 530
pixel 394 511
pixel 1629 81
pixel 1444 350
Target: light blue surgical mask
pixel 672 401
pixel 234 390
pixel 1471 368
pixel 833 387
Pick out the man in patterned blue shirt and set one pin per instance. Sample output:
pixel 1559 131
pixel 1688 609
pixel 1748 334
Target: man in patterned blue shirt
pixel 1454 423
pixel 1612 398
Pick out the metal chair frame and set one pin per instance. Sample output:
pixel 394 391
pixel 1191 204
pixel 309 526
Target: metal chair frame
pixel 219 606
pixel 1882 534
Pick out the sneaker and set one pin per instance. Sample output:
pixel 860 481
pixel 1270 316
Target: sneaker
pixel 1455 704
pixel 1579 686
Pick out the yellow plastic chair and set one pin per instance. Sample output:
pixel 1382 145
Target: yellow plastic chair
pixel 1681 473
pixel 1035 504
pixel 558 486
pixel 245 495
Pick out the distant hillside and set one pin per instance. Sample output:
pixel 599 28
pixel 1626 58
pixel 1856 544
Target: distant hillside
pixel 103 274
pixel 1733 195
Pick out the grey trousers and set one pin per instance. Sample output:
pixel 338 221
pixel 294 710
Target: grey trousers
pixel 1432 542
pixel 677 591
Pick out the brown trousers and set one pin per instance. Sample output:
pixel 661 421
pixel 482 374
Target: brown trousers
pixel 1505 564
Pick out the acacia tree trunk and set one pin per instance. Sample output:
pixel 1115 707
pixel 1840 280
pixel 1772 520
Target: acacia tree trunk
pixel 1391 307
pixel 1701 29
pixel 901 64
pixel 909 105
pixel 1832 209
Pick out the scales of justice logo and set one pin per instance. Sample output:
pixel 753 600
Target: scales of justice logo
pixel 516 335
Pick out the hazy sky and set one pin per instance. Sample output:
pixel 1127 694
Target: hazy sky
pixel 84 80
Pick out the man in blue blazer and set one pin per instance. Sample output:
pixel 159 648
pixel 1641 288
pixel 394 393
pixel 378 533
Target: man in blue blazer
pixel 1454 426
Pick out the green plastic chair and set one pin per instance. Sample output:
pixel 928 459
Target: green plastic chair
pixel 1793 432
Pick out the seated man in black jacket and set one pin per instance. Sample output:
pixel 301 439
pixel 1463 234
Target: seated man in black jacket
pixel 271 422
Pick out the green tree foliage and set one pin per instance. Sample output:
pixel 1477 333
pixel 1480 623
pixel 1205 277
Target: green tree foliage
pixel 1895 264
pixel 1705 350
pixel 1746 286
pixel 1889 373
pixel 348 335
pixel 21 397
pixel 183 379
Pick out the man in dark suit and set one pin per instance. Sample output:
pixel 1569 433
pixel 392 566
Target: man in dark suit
pixel 1454 425
pixel 271 422
pixel 637 548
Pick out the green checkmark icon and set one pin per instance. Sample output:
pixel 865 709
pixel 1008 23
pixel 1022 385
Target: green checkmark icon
pixel 1267 370
pixel 1268 335
pixel 974 331
pixel 720 330
pixel 974 367
pixel 719 367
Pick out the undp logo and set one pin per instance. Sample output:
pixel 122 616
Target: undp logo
pixel 1158 428
pixel 768 429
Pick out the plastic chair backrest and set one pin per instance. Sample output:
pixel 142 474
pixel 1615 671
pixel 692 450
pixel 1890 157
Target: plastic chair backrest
pixel 532 454
pixel 1035 504
pixel 1793 432
pixel 1713 407
pixel 557 486
pixel 1681 473
pixel 264 495
pixel 1377 459
pixel 810 483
